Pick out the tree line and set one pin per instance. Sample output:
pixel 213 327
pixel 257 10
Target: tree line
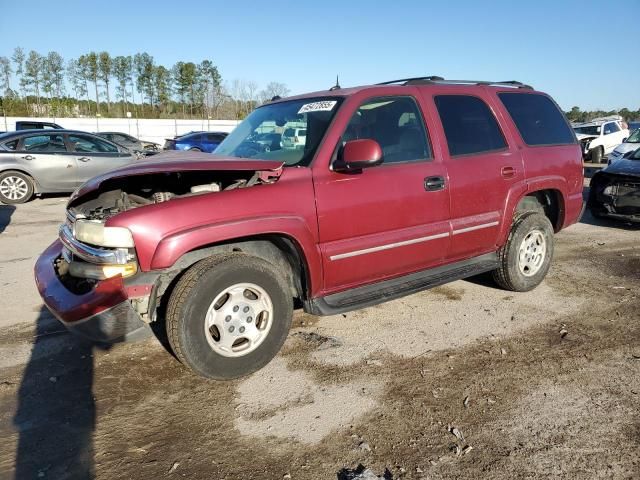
pixel 577 115
pixel 97 83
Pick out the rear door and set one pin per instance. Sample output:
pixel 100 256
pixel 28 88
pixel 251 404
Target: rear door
pixel 383 222
pixel 612 136
pixel 95 156
pixel 482 168
pixel 46 156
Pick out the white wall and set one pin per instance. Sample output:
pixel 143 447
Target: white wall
pixel 146 129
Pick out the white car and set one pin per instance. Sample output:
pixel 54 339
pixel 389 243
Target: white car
pixel 629 145
pixel 599 137
pixel 294 138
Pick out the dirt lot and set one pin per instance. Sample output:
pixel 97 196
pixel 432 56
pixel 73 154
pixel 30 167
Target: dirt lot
pixel 535 385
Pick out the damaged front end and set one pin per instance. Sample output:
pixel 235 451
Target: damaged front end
pixel 92 277
pixel 616 196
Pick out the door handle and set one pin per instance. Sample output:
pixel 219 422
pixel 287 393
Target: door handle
pixel 84 159
pixel 29 157
pixel 508 172
pixel 432 184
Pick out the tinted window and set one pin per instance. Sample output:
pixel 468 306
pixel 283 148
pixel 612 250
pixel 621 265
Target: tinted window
pixel 86 144
pixel 11 145
pixel 302 133
pixel 214 137
pixel 384 120
pixel 538 119
pixel 44 143
pixel 611 128
pixel 469 125
pixel 289 132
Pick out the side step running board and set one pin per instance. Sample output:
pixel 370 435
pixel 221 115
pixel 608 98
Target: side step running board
pixel 380 292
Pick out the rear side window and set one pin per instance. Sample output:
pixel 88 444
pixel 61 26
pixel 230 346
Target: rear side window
pixel 44 144
pixel 12 145
pixel 86 144
pixel 469 125
pixel 611 128
pixel 537 118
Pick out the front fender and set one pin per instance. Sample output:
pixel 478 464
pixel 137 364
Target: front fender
pixel 174 246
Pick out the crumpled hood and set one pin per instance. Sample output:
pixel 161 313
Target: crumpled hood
pixel 178 161
pixel 583 136
pixel 624 166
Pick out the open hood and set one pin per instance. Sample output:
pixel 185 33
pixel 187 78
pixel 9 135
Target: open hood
pixel 171 162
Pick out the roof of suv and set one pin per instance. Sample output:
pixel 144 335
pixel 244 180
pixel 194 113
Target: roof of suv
pixel 338 91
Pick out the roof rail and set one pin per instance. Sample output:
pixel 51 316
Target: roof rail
pixel 441 81
pixel 432 78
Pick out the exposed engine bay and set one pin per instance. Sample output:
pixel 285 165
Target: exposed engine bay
pixel 616 196
pixel 118 195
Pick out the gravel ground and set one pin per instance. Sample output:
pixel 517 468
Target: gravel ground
pixel 463 381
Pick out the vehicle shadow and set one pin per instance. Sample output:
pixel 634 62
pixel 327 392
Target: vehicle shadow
pixel 6 211
pixel 55 417
pixel 589 219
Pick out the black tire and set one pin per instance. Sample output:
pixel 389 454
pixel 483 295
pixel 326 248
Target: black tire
pixel 509 275
pixel 192 297
pixel 194 149
pixel 596 155
pixel 28 193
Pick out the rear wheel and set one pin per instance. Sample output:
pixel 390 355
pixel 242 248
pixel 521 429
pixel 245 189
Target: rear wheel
pixel 526 257
pixel 15 187
pixel 194 149
pixel 229 315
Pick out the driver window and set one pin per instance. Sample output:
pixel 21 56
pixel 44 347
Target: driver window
pixel 396 124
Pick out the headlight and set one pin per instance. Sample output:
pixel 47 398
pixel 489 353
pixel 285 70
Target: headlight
pixel 609 190
pixel 95 233
pixel 101 272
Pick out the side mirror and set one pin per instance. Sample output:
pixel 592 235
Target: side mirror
pixel 359 154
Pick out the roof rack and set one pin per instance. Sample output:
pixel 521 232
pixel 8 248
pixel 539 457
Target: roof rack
pixel 441 81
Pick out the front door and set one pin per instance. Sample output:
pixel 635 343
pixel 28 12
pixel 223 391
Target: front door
pixel 46 157
pixel 95 156
pixel 387 220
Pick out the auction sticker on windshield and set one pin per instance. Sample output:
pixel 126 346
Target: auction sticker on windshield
pixel 325 106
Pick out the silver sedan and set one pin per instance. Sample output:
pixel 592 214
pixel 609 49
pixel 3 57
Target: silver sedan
pixel 47 161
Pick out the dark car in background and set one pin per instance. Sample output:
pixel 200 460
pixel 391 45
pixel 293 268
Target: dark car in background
pixel 47 161
pixel 615 190
pixel 129 141
pixel 34 125
pixel 196 141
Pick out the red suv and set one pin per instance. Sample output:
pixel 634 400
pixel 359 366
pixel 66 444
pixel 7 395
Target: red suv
pixel 398 187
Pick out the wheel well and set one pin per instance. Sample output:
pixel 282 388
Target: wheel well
pixel 279 250
pixel 547 201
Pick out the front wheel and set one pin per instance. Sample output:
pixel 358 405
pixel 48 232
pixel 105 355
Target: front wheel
pixel 229 315
pixel 15 187
pixel 597 154
pixel 526 257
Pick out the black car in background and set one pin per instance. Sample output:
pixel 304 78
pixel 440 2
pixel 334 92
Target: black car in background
pixel 615 190
pixel 131 142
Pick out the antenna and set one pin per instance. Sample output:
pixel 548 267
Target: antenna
pixel 336 86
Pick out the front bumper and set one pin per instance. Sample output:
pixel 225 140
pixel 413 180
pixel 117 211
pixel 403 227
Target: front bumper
pixel 103 313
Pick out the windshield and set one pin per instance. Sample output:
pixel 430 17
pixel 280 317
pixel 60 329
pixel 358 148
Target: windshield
pixel 295 129
pixel 590 130
pixel 634 137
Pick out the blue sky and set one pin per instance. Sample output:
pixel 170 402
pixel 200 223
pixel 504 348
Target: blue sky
pixel 582 52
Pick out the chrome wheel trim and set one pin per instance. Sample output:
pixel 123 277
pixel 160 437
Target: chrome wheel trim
pixel 532 253
pixel 14 187
pixel 238 320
